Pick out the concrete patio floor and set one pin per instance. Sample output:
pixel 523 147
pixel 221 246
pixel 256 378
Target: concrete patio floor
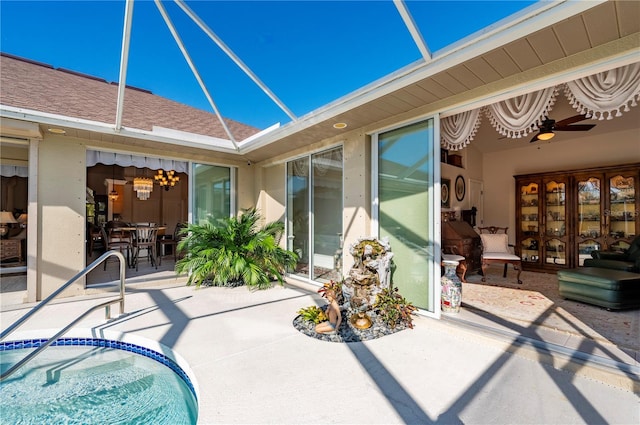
pixel 252 366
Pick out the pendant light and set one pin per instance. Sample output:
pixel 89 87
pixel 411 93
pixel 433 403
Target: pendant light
pixel 113 195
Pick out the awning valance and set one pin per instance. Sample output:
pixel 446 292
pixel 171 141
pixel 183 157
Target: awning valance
pixel 128 160
pixel 14 170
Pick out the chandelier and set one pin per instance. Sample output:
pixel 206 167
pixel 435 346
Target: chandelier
pixel 167 179
pixel 143 187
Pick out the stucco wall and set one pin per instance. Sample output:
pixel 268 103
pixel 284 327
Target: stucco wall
pixel 271 201
pixel 357 193
pixel 61 214
pixel 246 196
pixel 500 167
pixel 473 166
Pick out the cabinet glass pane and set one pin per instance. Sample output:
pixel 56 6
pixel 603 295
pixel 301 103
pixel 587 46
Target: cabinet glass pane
pixel 589 200
pixel 585 249
pixel 555 252
pixel 622 196
pixel 529 250
pixel 529 209
pixel 555 197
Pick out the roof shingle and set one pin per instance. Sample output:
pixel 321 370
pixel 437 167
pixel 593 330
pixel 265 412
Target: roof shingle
pixel 40 87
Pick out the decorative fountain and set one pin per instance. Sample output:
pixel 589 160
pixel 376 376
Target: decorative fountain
pixel 362 306
pixel 370 274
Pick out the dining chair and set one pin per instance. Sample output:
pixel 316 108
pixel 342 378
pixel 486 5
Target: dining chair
pixel 117 240
pixel 145 239
pixel 172 241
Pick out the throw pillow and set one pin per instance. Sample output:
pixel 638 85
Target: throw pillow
pixel 495 242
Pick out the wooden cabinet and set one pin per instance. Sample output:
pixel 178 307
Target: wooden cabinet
pixel 459 237
pixel 563 216
pixel 10 249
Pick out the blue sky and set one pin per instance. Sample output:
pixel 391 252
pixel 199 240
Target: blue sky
pixel 308 53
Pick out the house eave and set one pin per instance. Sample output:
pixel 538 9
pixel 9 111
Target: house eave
pixel 536 17
pixel 158 134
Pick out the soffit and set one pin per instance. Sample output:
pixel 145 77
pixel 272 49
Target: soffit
pixel 544 49
pixel 146 147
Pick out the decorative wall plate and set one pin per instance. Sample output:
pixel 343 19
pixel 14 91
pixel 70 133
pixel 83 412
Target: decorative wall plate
pixel 444 193
pixel 460 188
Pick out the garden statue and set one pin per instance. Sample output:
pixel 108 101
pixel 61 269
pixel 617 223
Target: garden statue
pixel 370 274
pixel 333 314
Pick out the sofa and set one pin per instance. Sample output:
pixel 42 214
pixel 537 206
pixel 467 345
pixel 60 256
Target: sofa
pixel 609 279
pixel 627 260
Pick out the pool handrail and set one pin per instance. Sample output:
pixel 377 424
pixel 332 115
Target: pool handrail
pixel 106 305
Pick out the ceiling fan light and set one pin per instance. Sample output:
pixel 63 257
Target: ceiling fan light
pixel 546 135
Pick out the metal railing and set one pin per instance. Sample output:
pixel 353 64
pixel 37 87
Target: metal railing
pixel 106 305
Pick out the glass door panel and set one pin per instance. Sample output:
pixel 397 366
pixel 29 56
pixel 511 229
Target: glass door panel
pixel 405 177
pixel 327 214
pixel 585 249
pixel 589 220
pixel 212 192
pixel 555 223
pixel 298 213
pixel 555 250
pixel 529 218
pixel 589 202
pixel 622 213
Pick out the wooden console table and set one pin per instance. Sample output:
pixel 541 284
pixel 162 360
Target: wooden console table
pixel 10 248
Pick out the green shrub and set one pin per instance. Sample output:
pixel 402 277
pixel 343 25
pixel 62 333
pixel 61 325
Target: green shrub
pixel 394 309
pixel 234 251
pixel 313 314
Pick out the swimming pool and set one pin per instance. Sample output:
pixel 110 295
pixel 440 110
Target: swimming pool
pixel 93 380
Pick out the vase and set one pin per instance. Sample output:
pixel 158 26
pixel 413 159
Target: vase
pixel 451 296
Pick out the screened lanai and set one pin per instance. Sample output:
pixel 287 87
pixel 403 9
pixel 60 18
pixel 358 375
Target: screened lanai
pixel 298 79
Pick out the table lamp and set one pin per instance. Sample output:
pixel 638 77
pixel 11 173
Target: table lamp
pixel 6 218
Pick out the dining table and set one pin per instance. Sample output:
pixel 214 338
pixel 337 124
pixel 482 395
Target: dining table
pixel 132 229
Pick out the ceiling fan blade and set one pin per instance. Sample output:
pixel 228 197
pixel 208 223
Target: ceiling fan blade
pixel 570 120
pixel 534 139
pixel 575 127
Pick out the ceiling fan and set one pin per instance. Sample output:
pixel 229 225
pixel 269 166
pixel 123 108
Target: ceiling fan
pixel 548 127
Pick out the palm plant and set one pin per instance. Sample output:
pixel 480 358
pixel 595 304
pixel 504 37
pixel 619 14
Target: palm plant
pixel 234 251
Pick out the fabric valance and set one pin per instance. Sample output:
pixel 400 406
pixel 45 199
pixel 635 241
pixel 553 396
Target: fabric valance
pixel 457 131
pixel 606 93
pixel 521 115
pixel 127 160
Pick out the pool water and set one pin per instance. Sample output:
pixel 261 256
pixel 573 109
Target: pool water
pixel 93 385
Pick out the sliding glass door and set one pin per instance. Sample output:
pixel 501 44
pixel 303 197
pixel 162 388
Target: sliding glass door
pixel 212 192
pixel 314 214
pixel 405 214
